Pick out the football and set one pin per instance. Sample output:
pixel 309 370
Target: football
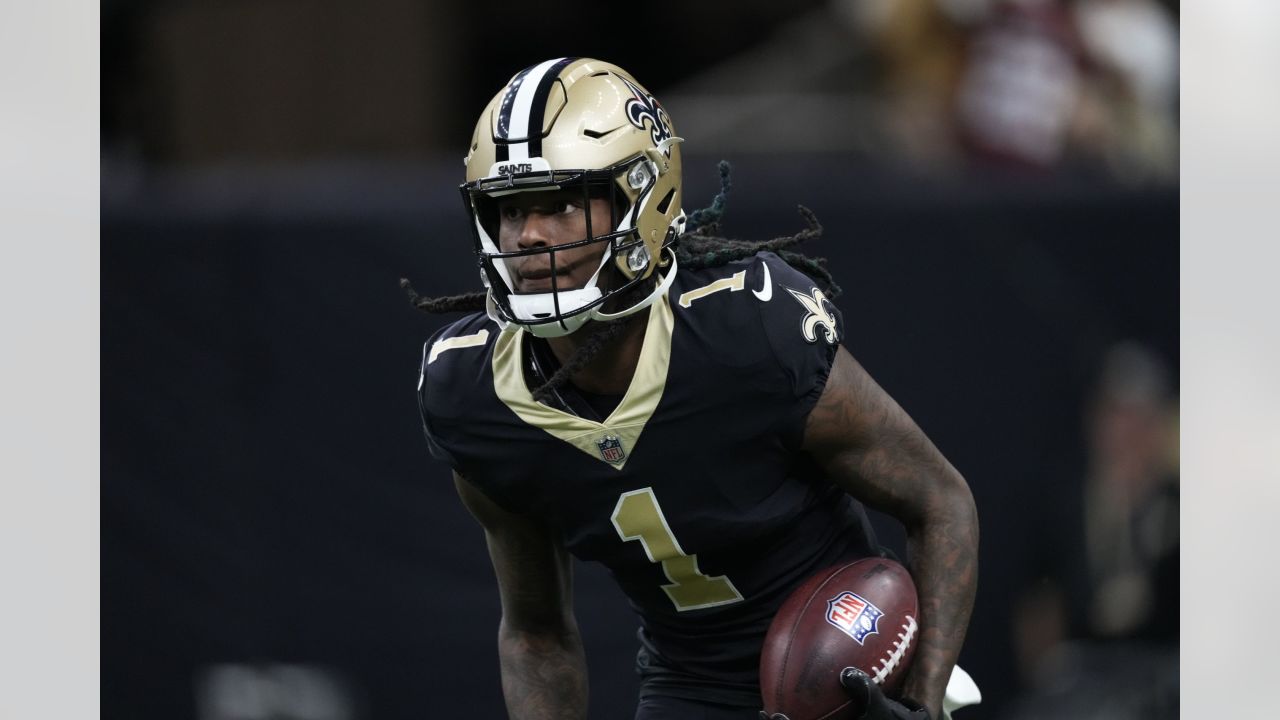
pixel 860 614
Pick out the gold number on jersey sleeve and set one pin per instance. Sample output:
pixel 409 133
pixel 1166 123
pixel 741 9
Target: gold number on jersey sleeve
pixel 638 516
pixel 732 284
pixel 453 343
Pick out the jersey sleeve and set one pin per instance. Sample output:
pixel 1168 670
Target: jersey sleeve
pixel 433 444
pixel 804 330
pixel 452 366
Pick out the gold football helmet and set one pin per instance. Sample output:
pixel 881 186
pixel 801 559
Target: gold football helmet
pixel 577 124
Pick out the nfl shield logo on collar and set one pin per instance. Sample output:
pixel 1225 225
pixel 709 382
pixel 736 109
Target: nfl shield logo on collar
pixel 853 615
pixel 611 449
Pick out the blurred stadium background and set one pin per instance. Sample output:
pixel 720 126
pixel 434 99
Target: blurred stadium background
pixel 998 180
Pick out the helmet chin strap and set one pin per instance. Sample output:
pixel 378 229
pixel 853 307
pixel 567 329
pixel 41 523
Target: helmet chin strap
pixel 659 289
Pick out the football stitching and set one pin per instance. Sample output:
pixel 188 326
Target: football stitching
pixel 889 663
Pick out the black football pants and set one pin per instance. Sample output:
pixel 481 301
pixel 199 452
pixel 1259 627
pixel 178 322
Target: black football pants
pixel 657 707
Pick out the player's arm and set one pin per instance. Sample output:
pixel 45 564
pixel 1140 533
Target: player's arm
pixel 544 671
pixel 871 448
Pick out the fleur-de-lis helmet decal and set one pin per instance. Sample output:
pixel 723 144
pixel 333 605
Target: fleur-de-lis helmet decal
pixel 643 107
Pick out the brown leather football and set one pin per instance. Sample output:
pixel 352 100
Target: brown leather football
pixel 860 614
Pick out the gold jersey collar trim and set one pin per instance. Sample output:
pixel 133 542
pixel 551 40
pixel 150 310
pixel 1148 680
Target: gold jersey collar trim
pixel 627 420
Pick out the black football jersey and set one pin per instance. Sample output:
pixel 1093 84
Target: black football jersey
pixel 694 491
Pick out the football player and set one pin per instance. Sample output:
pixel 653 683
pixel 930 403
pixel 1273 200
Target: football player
pixel 635 391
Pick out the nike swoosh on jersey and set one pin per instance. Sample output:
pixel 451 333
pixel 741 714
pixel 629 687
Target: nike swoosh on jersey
pixel 766 292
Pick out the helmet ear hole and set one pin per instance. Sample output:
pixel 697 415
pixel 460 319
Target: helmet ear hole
pixel 665 203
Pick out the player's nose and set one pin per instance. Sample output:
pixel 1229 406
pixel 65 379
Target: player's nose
pixel 536 231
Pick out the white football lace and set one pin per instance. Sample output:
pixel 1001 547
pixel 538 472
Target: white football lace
pixel 887 665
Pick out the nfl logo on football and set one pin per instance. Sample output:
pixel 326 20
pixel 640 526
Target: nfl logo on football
pixel 853 615
pixel 611 449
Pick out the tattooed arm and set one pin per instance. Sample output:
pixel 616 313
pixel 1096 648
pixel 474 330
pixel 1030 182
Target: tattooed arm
pixel 869 446
pixel 544 671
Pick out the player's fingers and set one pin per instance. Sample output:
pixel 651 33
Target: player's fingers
pixel 858 686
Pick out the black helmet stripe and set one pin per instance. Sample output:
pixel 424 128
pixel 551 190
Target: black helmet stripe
pixel 519 135
pixel 509 99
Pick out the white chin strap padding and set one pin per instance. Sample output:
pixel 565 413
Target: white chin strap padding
pixel 564 326
pixel 540 306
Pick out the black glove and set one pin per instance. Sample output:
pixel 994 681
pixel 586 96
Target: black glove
pixel 870 703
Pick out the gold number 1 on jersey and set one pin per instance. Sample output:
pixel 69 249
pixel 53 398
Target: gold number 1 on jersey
pixel 638 516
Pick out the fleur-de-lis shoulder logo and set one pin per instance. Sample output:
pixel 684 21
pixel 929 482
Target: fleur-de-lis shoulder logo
pixel 644 107
pixel 817 316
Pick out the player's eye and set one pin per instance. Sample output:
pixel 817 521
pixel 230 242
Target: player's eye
pixel 511 212
pixel 566 207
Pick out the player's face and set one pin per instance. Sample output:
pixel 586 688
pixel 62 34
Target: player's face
pixel 546 219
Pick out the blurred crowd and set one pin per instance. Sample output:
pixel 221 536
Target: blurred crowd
pixel 1039 82
pixel 938 85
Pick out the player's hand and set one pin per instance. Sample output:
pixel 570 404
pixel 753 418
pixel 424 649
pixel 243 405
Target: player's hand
pixel 871 704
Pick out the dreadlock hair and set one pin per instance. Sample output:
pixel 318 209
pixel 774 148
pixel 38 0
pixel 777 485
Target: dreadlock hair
pixel 701 247
pixel 698 247
pixel 466 302
pixel 599 334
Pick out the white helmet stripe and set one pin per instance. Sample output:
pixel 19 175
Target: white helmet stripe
pixel 522 107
